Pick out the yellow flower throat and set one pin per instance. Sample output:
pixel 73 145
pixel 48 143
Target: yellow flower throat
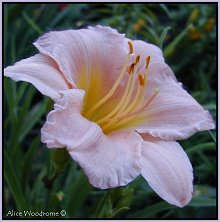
pixel 127 112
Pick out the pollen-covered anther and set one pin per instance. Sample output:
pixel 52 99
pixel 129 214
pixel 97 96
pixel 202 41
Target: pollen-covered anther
pixel 131 68
pixel 147 61
pixel 141 79
pixel 130 47
pixel 137 59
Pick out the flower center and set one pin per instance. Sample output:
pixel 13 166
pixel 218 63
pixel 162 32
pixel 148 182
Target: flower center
pixel 132 103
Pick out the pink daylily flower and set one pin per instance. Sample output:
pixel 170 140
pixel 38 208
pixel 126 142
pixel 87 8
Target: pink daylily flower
pixel 118 109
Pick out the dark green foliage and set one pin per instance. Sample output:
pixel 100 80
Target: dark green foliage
pixel 35 179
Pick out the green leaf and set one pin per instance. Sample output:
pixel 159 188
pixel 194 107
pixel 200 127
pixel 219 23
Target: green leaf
pixel 122 196
pixel 25 102
pixel 32 23
pixel 119 211
pixel 210 106
pixel 204 191
pixel 21 91
pixel 27 162
pixel 38 195
pixel 14 185
pixel 9 91
pixel 60 158
pixel 152 35
pixel 72 10
pixel 202 202
pixel 213 136
pixel 163 36
pixel 77 192
pixel 168 51
pixel 5 30
pixel 166 9
pixel 33 116
pixel 203 146
pixel 103 206
pixel 18 124
pixel 147 212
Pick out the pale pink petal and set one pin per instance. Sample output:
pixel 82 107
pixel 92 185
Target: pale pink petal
pixel 108 160
pixel 174 113
pixel 168 170
pixel 111 161
pixel 146 49
pixel 41 71
pixel 65 126
pixel 85 54
pixel 90 59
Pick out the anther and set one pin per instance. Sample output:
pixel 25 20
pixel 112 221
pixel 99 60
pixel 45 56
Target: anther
pixel 130 47
pixel 131 68
pixel 137 59
pixel 147 61
pixel 141 79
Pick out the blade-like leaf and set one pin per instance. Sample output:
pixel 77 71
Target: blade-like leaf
pixel 14 185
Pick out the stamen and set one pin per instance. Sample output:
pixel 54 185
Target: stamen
pixel 137 102
pixel 137 59
pixel 130 47
pixel 134 102
pixel 131 68
pixel 141 79
pixel 130 93
pixel 141 100
pixel 136 105
pixel 126 118
pixel 115 86
pixel 130 107
pixel 147 61
pixel 123 106
pixel 115 110
pixel 156 91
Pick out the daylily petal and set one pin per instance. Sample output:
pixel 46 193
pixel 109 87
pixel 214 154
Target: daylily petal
pixel 41 71
pixel 146 49
pixel 173 114
pixel 65 127
pixel 91 59
pixel 108 160
pixel 168 170
pixel 112 160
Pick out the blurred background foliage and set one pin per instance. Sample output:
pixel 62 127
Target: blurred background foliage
pixel 35 177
